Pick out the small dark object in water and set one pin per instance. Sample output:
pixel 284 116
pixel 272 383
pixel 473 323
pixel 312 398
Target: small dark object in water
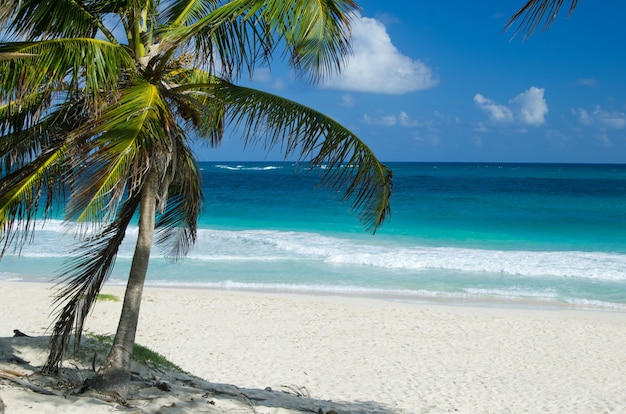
pixel 17 332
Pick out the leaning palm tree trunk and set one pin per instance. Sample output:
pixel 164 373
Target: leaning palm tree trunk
pixel 114 373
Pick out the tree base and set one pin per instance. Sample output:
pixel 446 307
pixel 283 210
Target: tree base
pixel 112 384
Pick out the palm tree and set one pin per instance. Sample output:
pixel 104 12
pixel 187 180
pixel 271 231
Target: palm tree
pixel 534 12
pixel 99 102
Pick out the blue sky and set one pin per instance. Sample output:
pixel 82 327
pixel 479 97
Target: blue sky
pixel 439 81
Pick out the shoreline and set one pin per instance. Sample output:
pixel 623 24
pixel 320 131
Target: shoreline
pixel 408 297
pixel 408 357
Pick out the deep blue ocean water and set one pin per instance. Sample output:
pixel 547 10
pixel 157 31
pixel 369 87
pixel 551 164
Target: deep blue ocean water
pixel 519 234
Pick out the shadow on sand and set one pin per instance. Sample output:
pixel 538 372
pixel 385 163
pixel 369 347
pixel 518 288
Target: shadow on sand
pixel 153 389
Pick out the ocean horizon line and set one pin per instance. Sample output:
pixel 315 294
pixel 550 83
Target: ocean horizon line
pixel 581 163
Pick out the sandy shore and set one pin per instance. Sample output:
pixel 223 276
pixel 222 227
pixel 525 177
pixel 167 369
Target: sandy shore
pixel 381 356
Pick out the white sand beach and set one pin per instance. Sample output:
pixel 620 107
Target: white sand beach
pixel 364 355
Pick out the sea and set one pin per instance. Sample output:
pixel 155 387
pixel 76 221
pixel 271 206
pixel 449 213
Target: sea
pixel 493 234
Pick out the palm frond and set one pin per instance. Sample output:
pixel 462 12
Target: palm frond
pixel 534 13
pixel 300 131
pixel 23 190
pixel 22 113
pixel 91 64
pixel 83 277
pixel 316 33
pixel 37 19
pixel 224 39
pixel 176 227
pixel 117 149
pixel 242 33
pixel 186 12
pixel 197 106
pixel 34 162
pixel 8 9
pixel 7 55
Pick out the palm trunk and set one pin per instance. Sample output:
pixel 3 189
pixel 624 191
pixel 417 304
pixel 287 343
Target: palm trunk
pixel 114 375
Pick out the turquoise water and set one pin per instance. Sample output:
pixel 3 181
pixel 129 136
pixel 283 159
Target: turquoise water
pixel 521 234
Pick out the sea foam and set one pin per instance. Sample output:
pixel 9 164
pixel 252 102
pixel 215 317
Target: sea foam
pixel 275 246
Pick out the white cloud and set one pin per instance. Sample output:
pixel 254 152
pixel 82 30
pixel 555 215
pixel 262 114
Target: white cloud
pixel 527 108
pixel 264 75
pixel 587 82
pixel 605 119
pixel 481 128
pixel 497 113
pixel 405 120
pixel 386 120
pixel 347 100
pixel 377 66
pixel 583 116
pixel 531 106
pixel 402 119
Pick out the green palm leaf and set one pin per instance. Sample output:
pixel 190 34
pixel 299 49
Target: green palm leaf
pixel 116 147
pixel 186 12
pixel 315 32
pixel 91 64
pixel 12 55
pixel 83 277
pixel 35 164
pixel 176 226
pixel 199 108
pixel 22 191
pixel 59 18
pixel 19 115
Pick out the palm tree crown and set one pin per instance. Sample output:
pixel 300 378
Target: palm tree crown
pixel 100 99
